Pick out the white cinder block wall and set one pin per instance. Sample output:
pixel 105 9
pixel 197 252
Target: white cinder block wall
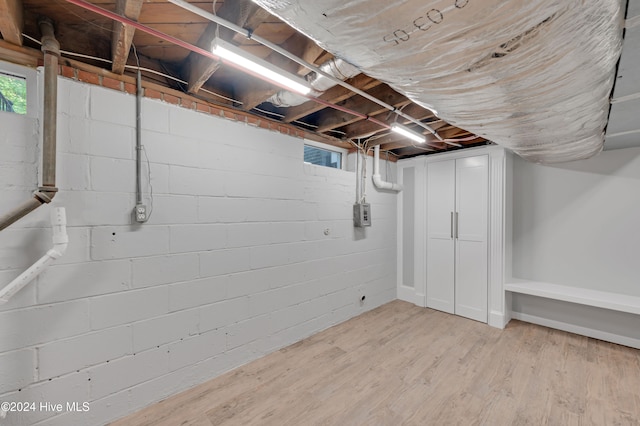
pixel 247 250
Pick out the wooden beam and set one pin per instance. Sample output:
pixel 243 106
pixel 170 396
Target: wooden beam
pixel 19 54
pixel 258 91
pixel 123 34
pixel 252 92
pixel 361 129
pixel 395 145
pixel 453 132
pixel 250 17
pixel 319 137
pixel 11 21
pixel 200 68
pixel 334 95
pixel 394 140
pixel 332 119
pixel 415 150
pixel 241 12
pixel 311 54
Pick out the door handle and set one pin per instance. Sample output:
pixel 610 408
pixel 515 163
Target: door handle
pixel 451 221
pixel 456 225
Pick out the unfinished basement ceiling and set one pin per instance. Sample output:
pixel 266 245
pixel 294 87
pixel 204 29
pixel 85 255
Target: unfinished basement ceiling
pixel 88 33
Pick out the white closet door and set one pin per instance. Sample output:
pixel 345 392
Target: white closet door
pixel 472 181
pixel 440 242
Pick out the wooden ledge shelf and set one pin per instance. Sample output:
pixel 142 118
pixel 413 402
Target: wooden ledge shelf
pixel 600 299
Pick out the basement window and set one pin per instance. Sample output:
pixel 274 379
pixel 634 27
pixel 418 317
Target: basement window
pixel 13 93
pixel 321 156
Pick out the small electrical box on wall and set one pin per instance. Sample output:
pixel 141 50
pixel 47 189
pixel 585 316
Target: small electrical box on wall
pixel 140 213
pixel 361 215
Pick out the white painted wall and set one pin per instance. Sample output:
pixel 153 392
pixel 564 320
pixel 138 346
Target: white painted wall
pixel 233 264
pixel 577 224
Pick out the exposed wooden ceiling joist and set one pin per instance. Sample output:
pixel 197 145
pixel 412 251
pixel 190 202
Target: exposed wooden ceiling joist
pixel 11 21
pixel 452 132
pixel 258 93
pixel 396 140
pixel 200 69
pixel 86 31
pixel 363 129
pixel 412 150
pixel 312 55
pixel 333 119
pixel 241 12
pixel 123 34
pixel 334 95
pixel 403 144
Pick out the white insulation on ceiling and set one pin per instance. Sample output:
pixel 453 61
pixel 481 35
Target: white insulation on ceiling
pixel 532 75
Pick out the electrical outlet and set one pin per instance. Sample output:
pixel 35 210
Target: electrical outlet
pixel 140 213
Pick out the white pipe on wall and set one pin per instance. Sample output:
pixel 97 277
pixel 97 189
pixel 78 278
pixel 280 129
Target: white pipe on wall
pixel 358 172
pixel 377 179
pixel 60 242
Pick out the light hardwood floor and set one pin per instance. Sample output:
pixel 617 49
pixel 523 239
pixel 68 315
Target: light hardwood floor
pixel 404 365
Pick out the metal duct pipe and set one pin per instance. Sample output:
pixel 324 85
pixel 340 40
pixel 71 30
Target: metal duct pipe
pixel 47 191
pixel 534 76
pixel 60 242
pixel 51 49
pixel 377 179
pixel 20 211
pixel 338 68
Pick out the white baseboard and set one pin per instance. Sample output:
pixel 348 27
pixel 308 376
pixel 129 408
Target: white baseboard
pixel 408 294
pixel 497 319
pixel 584 331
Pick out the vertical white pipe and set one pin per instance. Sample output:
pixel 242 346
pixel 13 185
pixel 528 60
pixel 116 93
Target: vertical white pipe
pixel 377 179
pixel 357 175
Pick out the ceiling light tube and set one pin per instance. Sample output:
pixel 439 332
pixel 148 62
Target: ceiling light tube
pixel 408 133
pixel 259 67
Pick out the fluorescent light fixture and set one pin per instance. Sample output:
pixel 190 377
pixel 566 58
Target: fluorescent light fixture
pixel 259 67
pixel 408 133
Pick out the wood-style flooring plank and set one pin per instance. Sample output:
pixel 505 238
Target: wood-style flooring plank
pixel 404 365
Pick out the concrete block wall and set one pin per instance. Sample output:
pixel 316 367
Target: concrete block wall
pixel 247 250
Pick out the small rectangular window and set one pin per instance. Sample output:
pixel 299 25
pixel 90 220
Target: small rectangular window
pixel 13 93
pixel 322 157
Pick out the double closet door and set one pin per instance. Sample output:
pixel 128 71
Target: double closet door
pixel 457 206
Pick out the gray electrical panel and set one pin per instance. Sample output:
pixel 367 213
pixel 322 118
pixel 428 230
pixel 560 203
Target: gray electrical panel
pixel 361 215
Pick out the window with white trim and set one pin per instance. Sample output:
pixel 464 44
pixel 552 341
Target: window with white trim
pixel 323 155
